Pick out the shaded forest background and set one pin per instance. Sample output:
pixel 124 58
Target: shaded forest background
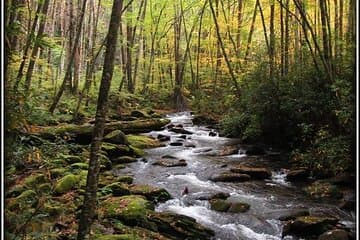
pixel 279 72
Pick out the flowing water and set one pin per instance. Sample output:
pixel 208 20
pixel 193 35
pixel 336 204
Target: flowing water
pixel 269 199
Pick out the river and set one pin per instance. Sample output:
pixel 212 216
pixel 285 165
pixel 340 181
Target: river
pixel 269 199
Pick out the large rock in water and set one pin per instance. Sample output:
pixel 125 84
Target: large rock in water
pixel 151 193
pixel 253 172
pixel 116 137
pixel 308 226
pixel 179 227
pixel 230 177
pixel 336 234
pixel 170 163
pixel 294 214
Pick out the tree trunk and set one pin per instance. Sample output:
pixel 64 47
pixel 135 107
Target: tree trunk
pixel 272 41
pixel 287 39
pixel 129 46
pixel 252 27
pixel 71 60
pixel 36 47
pixel 29 39
pixel 178 96
pixel 233 78
pixel 89 205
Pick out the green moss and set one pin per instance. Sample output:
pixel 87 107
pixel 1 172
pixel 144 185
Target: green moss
pixel 117 137
pixel 125 179
pixel 70 159
pixel 57 172
pixel 137 151
pixel 15 191
pixel 80 165
pixel 154 194
pixel 52 209
pixel 131 209
pixel 34 179
pixel 66 183
pixel 140 141
pixel 26 199
pixel 45 188
pixel 117 189
pixel 238 207
pixel 219 205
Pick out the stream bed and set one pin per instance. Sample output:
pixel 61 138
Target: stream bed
pixel 269 199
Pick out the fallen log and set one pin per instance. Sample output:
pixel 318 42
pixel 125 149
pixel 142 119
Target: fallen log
pixel 82 133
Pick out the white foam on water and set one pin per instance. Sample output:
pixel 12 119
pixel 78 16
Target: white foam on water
pixel 242 195
pixel 192 178
pixel 200 213
pixel 246 233
pixel 279 177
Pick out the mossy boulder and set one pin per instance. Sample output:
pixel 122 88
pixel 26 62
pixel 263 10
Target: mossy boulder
pixel 116 137
pixel 219 205
pixel 308 226
pixel 131 209
pixel 140 141
pixel 35 179
pixel 238 207
pixel 322 189
pixel 139 114
pixel 123 159
pixel 66 183
pixel 151 193
pixel 114 150
pixel 117 189
pixel 179 227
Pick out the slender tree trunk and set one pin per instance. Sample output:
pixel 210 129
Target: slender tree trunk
pixel 286 40
pixel 233 77
pixel 252 27
pixel 239 25
pixel 129 46
pixel 199 48
pixel 178 97
pixel 282 41
pixel 326 39
pixel 29 39
pixel 71 60
pixel 264 27
pixel 272 41
pixel 89 205
pixel 36 47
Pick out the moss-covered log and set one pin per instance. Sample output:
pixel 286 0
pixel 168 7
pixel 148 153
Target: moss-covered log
pixel 82 133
